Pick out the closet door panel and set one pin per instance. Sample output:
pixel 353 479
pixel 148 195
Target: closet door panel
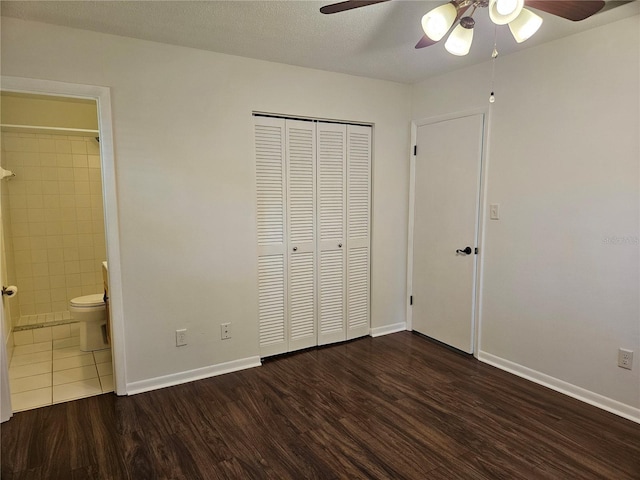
pixel 269 135
pixel 301 164
pixel 358 292
pixel 313 227
pixel 302 301
pixel 332 183
pixel 271 302
pixel 358 230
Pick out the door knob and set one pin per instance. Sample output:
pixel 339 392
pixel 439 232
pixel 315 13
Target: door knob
pixel 339 245
pixel 295 249
pixel 466 251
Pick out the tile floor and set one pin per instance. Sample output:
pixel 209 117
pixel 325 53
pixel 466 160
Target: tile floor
pixel 57 371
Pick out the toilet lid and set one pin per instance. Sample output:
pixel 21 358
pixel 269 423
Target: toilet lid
pixel 93 300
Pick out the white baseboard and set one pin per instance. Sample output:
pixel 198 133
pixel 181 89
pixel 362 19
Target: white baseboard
pixel 191 375
pixel 587 396
pixel 387 329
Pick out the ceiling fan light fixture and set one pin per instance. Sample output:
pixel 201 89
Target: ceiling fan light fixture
pixel 459 42
pixel 502 12
pixel 437 22
pixel 525 25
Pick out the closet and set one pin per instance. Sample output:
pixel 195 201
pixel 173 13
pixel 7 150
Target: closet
pixel 313 182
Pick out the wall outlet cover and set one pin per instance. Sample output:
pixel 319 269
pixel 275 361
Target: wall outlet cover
pixel 225 331
pixel 625 358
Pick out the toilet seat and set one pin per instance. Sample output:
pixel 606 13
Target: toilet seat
pixel 88 301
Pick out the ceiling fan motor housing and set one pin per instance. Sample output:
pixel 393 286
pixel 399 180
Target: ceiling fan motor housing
pixel 467 22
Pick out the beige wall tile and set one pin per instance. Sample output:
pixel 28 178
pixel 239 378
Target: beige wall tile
pixel 57 224
pixel 79 147
pixel 63 146
pixel 58 295
pixel 38 243
pixel 48 159
pixel 43 307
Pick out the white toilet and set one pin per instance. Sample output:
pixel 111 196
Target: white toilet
pixel 90 311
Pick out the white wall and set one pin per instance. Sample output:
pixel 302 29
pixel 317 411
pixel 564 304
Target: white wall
pixel 185 179
pixel 559 298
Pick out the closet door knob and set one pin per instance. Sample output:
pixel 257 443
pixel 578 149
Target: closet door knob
pixel 339 245
pixel 295 249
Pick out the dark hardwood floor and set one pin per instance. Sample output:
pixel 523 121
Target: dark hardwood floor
pixel 392 407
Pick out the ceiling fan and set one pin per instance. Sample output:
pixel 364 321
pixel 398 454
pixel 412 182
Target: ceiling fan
pixel 522 22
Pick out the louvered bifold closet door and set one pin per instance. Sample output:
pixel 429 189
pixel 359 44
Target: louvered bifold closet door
pixel 301 164
pixel 332 223
pixel 269 136
pixel 358 229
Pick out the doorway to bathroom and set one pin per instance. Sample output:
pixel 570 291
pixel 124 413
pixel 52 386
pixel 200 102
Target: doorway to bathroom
pixel 55 246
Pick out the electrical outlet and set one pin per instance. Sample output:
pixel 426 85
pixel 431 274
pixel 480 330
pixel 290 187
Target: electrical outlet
pixel 181 337
pixel 625 358
pixel 225 331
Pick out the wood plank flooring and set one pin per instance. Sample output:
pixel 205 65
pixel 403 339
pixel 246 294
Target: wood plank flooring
pixel 392 407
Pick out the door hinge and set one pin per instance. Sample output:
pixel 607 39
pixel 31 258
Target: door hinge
pixel 411 300
pixel 476 251
pixel 415 150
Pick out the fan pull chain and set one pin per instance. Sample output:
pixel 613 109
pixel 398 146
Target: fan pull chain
pixel 494 55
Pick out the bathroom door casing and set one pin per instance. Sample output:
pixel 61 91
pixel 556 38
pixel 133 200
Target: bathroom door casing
pixel 446 208
pixel 5 393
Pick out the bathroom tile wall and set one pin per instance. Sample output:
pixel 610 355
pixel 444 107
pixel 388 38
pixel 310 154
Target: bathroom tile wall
pixel 56 218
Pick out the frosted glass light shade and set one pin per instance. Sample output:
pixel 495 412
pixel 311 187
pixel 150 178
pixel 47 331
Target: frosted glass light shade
pixel 459 42
pixel 502 12
pixel 523 27
pixel 437 22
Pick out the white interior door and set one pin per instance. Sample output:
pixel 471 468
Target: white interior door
pixel 447 186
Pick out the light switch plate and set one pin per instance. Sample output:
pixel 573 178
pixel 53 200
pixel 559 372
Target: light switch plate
pixel 494 211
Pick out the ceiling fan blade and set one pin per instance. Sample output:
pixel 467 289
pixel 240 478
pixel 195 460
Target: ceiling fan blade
pixel 575 10
pixel 427 42
pixel 348 5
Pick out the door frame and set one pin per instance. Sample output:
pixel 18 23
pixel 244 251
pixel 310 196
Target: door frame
pixel 102 97
pixel 480 221
pixel 6 410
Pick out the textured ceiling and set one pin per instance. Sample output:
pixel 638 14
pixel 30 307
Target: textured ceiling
pixel 376 41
